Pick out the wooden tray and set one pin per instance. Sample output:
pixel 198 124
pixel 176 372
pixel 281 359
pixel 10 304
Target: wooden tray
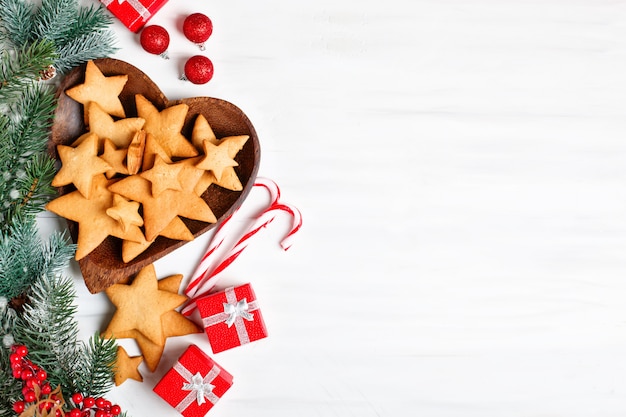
pixel 104 266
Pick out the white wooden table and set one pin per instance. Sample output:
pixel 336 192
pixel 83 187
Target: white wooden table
pixel 461 170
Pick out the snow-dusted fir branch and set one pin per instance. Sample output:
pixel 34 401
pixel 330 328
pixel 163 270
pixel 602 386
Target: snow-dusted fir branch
pixel 25 257
pixel 10 389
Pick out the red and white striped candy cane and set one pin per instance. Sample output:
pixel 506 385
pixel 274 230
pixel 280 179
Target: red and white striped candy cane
pixel 205 276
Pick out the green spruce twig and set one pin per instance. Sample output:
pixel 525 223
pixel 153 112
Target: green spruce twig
pixel 20 68
pixel 27 170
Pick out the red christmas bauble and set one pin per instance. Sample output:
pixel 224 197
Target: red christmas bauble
pixel 155 40
pixel 197 27
pixel 198 69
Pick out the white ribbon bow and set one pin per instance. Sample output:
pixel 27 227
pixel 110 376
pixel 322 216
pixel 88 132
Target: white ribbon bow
pixel 201 388
pixel 235 311
pixel 239 309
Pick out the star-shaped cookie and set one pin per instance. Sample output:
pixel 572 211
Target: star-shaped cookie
pixel 94 225
pixel 159 211
pixel 166 126
pixel 176 230
pixel 201 132
pixel 174 324
pixel 216 158
pixel 140 305
pixel 115 157
pixel 121 132
pixel 151 151
pixel 80 165
pixel 163 176
pixel 126 367
pixel 125 212
pixel 100 88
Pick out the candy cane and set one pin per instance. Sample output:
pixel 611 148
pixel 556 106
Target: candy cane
pixel 205 276
pixel 221 233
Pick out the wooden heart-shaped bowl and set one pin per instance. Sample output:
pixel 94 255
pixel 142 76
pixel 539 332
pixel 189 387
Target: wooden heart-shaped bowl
pixel 104 266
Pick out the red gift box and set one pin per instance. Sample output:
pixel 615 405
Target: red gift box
pixel 231 318
pixel 194 384
pixel 134 14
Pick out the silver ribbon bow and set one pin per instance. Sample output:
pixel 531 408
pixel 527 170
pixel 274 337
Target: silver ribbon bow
pixel 234 313
pixel 238 309
pixel 200 387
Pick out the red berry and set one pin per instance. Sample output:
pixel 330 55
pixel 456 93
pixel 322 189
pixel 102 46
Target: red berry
pixel 27 374
pixel 77 398
pixel 100 413
pixel 19 406
pixel 29 396
pixel 155 39
pixel 45 406
pixel 46 389
pixel 116 410
pixel 198 70
pixel 198 28
pixel 17 373
pixel 15 358
pixel 41 375
pixel 21 350
pixel 74 412
pixel 89 402
pixel 32 382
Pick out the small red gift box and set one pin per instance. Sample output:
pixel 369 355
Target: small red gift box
pixel 194 384
pixel 134 14
pixel 231 318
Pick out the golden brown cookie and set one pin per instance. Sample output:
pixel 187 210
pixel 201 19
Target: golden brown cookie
pixel 125 212
pixel 151 151
pixel 121 132
pixel 94 225
pixel 159 211
pixel 140 306
pixel 174 324
pixel 126 367
pixel 216 158
pixel 176 230
pixel 163 176
pixel 166 126
pixel 202 131
pixel 80 165
pixel 134 157
pixel 115 157
pixel 101 89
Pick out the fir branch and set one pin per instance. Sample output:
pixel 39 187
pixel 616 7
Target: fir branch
pixel 25 257
pixel 10 388
pixel 19 69
pixel 97 366
pixel 53 17
pixel 26 170
pixel 35 187
pixel 48 328
pixel 89 46
pixel 87 20
pixel 18 246
pixel 16 20
pixel 77 33
pixel 50 331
